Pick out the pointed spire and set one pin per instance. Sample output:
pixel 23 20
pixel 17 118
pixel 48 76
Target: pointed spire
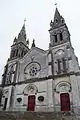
pixel 22 34
pixel 58 20
pixel 57 14
pixel 57 29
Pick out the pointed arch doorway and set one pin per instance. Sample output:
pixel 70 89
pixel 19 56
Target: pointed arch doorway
pixel 31 91
pixel 64 88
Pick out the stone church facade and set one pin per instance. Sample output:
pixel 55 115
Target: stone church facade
pixel 42 80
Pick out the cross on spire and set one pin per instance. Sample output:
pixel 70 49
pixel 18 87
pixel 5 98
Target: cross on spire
pixel 24 20
pixel 56 4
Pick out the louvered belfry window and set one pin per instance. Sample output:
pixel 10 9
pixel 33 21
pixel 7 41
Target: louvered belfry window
pixel 55 38
pixel 61 36
pixel 64 64
pixel 59 66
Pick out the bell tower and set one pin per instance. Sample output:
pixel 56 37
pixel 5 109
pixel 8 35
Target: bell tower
pixel 64 65
pixel 59 33
pixel 20 46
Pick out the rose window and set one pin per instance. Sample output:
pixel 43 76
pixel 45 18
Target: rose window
pixel 33 71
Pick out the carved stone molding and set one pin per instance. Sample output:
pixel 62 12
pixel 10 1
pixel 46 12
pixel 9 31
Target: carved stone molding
pixel 30 89
pixel 63 87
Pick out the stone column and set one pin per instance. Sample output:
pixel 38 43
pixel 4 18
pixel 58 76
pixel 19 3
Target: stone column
pixel 50 100
pixel 9 97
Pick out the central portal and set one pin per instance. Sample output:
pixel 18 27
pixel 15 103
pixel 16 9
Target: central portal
pixel 31 103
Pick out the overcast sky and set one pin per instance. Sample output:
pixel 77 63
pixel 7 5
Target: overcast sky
pixel 38 14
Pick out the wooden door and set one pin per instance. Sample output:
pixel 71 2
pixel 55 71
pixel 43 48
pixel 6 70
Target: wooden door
pixel 65 102
pixel 5 104
pixel 31 103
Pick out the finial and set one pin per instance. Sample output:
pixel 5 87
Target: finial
pixel 55 4
pixel 22 34
pixel 24 20
pixel 15 39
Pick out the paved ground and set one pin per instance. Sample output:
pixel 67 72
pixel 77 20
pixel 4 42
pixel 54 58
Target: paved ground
pixel 37 116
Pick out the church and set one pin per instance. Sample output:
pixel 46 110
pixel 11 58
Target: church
pixel 42 80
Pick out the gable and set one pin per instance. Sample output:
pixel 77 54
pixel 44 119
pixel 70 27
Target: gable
pixel 34 53
pixel 34 64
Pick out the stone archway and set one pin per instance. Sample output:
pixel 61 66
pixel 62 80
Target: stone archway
pixel 63 89
pixel 31 91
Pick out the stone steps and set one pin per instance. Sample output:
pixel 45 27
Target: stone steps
pixel 4 115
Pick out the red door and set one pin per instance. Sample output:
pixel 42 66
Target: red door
pixel 31 103
pixel 65 102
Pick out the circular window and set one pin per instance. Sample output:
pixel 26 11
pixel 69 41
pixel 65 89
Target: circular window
pixel 41 98
pixel 33 71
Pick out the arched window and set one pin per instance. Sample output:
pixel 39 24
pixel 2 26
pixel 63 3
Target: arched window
pixel 22 53
pixel 55 38
pixel 61 36
pixel 59 66
pixel 16 52
pixel 64 64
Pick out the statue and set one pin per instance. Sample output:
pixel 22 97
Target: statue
pixel 33 44
pixel 27 42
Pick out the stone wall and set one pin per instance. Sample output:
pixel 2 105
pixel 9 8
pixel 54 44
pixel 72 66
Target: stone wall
pixel 38 116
